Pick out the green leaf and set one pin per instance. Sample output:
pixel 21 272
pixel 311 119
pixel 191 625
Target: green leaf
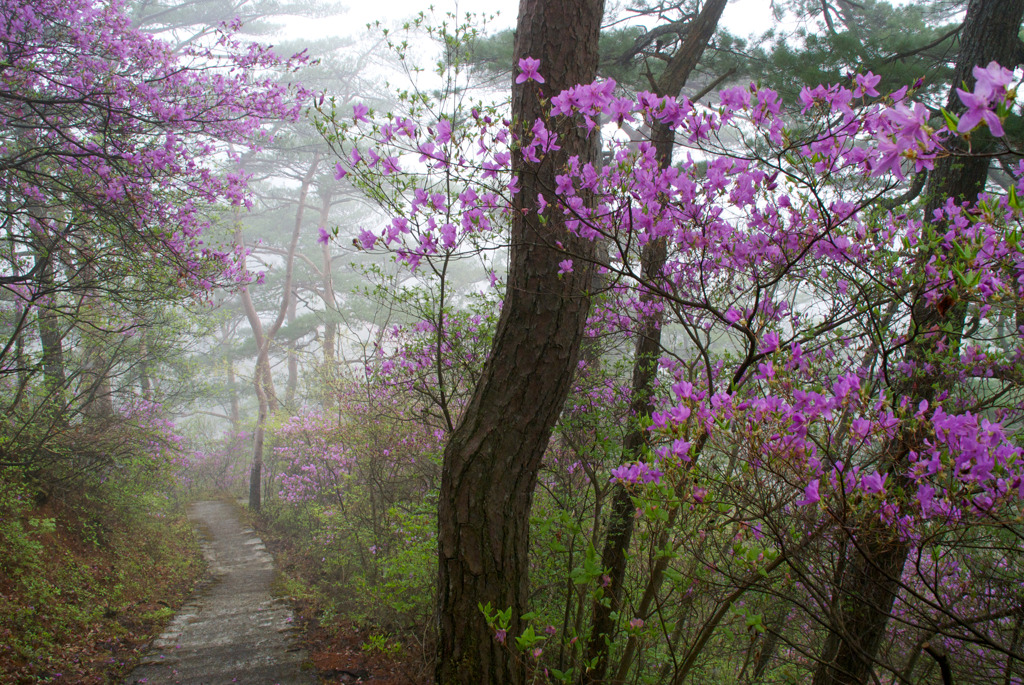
pixel 952 120
pixel 562 676
pixel 528 639
pixel 754 621
pixel 672 575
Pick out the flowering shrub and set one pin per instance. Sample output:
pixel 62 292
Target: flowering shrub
pixel 846 370
pixel 357 489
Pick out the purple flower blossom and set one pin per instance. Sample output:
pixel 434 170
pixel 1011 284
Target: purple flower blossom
pixel 977 112
pixel 866 85
pixel 861 428
pixel 636 473
pixel 989 89
pixel 992 79
pixel 529 70
pixel 444 131
pixel 681 449
pixel 359 112
pixel 811 495
pixel 735 98
pixel 366 239
pixel 873 482
pixel 448 236
pixel 769 343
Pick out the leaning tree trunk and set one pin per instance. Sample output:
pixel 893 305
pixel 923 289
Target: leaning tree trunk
pixel 645 362
pixel 494 454
pixel 864 599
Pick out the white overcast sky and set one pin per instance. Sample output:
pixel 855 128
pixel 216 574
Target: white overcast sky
pixel 742 17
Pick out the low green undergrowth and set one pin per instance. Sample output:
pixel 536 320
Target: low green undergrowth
pixel 86 579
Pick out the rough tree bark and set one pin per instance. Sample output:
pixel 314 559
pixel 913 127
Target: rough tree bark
pixel 492 459
pixel 864 599
pixel 645 360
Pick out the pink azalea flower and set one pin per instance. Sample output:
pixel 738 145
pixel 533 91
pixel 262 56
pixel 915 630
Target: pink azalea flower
pixel 978 111
pixel 811 495
pixel 444 131
pixel 861 428
pixel 359 112
pixel 866 84
pixel 367 239
pixel 448 236
pixel 991 79
pixel 769 343
pixel 873 482
pixel 529 67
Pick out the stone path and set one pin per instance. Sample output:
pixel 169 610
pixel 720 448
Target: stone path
pixel 233 631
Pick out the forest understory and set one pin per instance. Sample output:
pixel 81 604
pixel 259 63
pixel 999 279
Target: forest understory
pixel 618 343
pixel 341 649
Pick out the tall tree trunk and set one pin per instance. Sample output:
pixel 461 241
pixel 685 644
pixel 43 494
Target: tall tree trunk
pixel 293 357
pixel 256 473
pixel 866 593
pixel 494 454
pixel 234 409
pixel 145 385
pixel 764 650
pixel 262 379
pixel 50 334
pixel 236 415
pixel 96 358
pixel 645 361
pixel 21 323
pixel 329 297
pixel 1018 624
